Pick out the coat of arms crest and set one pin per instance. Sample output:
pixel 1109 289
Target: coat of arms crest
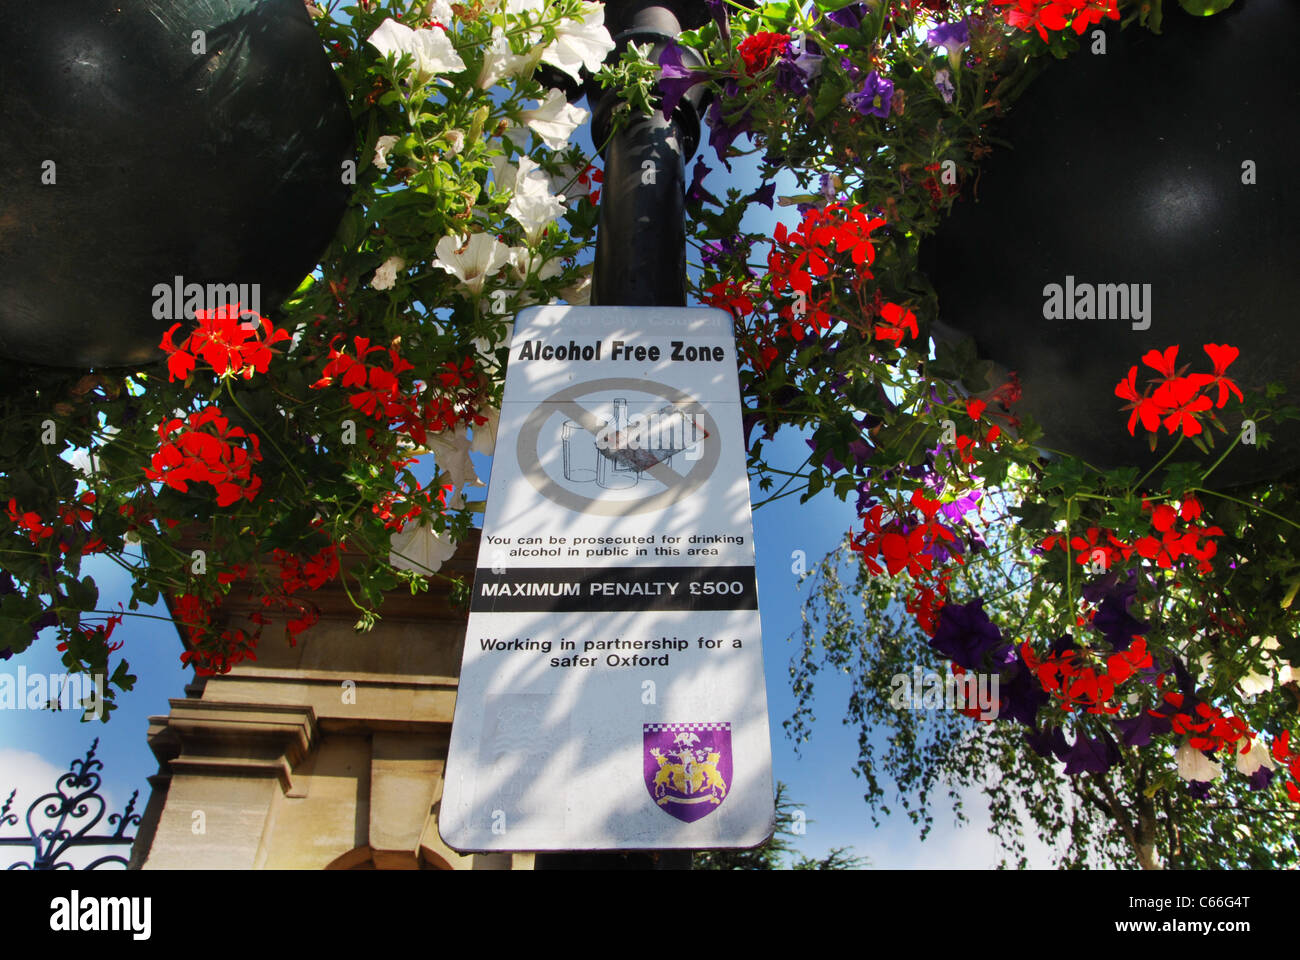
pixel 687 767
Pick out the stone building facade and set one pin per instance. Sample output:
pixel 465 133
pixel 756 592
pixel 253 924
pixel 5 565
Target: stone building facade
pixel 327 754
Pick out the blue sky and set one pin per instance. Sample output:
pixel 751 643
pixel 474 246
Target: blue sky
pixel 36 745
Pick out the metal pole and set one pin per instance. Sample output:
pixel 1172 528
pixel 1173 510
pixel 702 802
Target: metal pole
pixel 641 240
pixel 641 244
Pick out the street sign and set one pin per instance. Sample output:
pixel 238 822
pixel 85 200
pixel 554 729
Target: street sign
pixel 611 695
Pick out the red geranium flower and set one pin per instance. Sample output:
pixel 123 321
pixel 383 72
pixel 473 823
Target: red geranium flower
pixel 1221 355
pixel 1182 400
pixel 897 321
pixel 759 50
pixel 1144 408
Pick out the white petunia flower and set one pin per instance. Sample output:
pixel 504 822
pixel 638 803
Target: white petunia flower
pixel 451 453
pixel 386 275
pixel 1253 759
pixel 533 205
pixel 554 119
pixel 514 7
pixel 455 141
pixel 432 50
pixel 517 7
pixel 420 548
pixel 485 434
pixel 1255 683
pixel 1195 765
pixel 524 261
pixel 500 61
pixel 578 295
pixel 382 146
pixel 581 42
pixel 472 259
pixel 504 174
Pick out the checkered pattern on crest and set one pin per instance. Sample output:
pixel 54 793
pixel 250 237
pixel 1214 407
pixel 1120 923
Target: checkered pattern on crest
pixel 685 727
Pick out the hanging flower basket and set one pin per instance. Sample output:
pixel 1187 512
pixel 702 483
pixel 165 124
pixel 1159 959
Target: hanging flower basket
pixel 1147 200
pixel 156 153
pixel 1123 609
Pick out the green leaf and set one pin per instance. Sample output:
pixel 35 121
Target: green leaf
pixel 828 98
pixel 83 593
pixel 121 679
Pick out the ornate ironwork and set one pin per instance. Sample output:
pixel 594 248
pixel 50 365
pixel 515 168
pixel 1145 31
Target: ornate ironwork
pixel 70 812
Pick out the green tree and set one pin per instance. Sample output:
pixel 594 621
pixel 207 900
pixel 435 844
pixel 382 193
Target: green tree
pixel 779 852
pixel 1139 813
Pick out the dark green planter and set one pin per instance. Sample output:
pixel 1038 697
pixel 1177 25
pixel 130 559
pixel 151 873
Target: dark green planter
pixel 223 167
pixel 1127 168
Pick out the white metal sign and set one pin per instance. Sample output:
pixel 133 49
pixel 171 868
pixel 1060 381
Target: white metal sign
pixel 611 695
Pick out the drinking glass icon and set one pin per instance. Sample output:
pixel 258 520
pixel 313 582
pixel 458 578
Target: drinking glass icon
pixel 579 453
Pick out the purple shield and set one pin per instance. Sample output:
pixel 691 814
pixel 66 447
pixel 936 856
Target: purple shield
pixel 687 767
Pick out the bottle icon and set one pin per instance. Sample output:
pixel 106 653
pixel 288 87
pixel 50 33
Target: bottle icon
pixel 612 470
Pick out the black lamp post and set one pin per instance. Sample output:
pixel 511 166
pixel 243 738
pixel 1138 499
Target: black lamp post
pixel 641 243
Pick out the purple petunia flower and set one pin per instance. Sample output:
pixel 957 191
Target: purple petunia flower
pixel 1090 755
pixel 796 67
pixel 1138 731
pixel 1049 741
pixel 849 17
pixel 765 195
pixel 953 36
pixel 1113 619
pixel 865 499
pixel 966 636
pixel 696 193
pixel 873 100
pixel 1261 778
pixel 861 452
pixel 722 134
pixel 1198 789
pixel 808 60
pixel 1021 694
pixel 718 10
pixel 789 78
pixel 675 78
pixel 712 253
pixel 958 508
pixel 943 83
pixel 830 463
